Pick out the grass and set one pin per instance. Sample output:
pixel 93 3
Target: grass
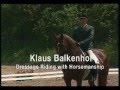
pixel 22 56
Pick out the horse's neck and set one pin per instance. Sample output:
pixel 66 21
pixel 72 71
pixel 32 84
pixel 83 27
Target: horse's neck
pixel 74 49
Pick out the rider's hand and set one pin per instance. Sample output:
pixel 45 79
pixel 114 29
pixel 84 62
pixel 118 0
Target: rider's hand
pixel 77 43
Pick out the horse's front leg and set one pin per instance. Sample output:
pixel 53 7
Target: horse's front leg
pixel 80 78
pixel 91 83
pixel 67 81
pixel 79 82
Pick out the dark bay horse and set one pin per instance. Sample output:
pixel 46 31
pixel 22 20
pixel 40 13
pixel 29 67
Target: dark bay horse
pixel 66 45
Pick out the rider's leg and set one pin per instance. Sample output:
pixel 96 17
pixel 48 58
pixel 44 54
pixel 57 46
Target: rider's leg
pixel 93 71
pixel 93 56
pixel 94 61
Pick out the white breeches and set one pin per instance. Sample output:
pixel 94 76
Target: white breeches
pixel 93 56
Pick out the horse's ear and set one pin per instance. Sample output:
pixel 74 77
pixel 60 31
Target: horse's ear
pixel 61 36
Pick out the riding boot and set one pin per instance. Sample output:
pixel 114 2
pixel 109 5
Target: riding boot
pixel 94 72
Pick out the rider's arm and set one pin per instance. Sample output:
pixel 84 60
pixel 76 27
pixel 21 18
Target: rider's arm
pixel 90 36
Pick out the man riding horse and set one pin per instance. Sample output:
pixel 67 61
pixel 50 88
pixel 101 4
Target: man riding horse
pixel 83 35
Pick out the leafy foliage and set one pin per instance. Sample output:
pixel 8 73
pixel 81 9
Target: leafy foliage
pixel 30 27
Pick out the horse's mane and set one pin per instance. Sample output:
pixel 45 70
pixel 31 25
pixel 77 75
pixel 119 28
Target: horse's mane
pixel 71 42
pixel 68 38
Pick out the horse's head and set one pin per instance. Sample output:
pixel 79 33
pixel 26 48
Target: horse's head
pixel 60 44
pixel 64 44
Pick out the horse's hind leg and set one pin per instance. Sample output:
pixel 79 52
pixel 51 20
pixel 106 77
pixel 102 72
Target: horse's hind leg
pixel 102 80
pixel 102 76
pixel 91 83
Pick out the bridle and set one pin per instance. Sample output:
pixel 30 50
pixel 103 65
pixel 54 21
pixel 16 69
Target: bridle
pixel 65 50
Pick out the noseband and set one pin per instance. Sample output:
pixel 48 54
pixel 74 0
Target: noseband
pixel 65 51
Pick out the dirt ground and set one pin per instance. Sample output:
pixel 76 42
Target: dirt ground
pixel 111 81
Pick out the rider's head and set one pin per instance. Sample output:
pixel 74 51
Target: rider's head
pixel 83 20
